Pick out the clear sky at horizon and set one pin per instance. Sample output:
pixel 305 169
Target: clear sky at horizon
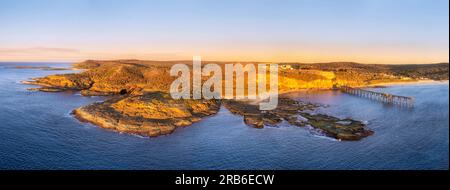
pixel 368 31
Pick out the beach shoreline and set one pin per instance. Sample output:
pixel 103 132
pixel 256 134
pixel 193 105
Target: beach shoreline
pixel 403 83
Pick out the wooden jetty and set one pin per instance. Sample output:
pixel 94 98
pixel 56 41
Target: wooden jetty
pixel 379 96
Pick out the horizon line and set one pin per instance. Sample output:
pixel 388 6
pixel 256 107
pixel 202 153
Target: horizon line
pixel 230 61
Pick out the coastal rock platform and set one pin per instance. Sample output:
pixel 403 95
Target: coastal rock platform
pixel 299 114
pixel 151 114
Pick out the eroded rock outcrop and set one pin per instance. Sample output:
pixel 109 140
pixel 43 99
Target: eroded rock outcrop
pixel 150 114
pixel 299 114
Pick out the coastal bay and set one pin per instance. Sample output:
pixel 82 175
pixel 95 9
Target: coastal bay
pixel 404 138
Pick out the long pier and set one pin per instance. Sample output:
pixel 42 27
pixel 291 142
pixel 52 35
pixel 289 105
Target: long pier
pixel 379 96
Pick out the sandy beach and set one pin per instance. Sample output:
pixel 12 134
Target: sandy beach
pixel 409 83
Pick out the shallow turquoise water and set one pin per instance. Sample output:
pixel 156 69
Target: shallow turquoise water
pixel 38 132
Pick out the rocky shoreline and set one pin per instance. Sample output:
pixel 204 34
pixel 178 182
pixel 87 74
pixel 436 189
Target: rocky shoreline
pixel 128 114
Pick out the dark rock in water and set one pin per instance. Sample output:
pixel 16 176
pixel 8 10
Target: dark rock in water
pixel 352 130
pixel 256 122
pixel 296 113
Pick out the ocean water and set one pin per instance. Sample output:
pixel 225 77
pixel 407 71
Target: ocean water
pixel 38 132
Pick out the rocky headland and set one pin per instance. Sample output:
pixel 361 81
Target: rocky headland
pixel 139 102
pixel 150 114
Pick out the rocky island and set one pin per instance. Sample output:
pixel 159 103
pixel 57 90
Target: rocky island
pixel 139 102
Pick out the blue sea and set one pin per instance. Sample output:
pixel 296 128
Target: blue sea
pixel 37 131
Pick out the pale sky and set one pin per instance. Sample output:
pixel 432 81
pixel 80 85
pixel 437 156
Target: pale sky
pixel 366 31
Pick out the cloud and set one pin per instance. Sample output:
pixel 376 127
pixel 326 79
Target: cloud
pixel 37 50
pixel 39 54
pixel 71 54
